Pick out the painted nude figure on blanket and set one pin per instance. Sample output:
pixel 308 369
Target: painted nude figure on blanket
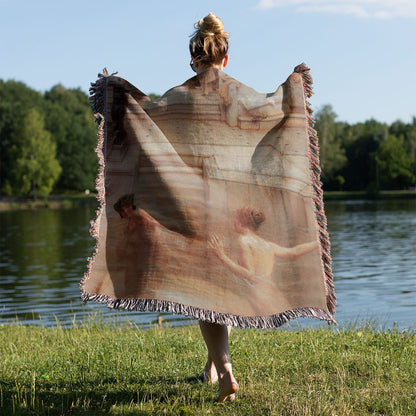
pixel 257 255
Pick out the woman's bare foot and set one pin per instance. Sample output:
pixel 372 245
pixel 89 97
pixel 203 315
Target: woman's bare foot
pixel 209 374
pixel 228 388
pixel 216 339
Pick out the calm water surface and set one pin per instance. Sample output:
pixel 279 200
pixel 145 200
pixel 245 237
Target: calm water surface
pixel 43 257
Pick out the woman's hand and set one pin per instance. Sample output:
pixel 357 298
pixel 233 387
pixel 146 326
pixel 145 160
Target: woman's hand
pixel 216 243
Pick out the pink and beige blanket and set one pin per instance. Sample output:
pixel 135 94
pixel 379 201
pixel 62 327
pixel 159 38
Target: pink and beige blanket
pixel 210 202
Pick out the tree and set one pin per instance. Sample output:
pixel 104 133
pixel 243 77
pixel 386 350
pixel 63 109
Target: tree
pixel 16 98
pixel 15 92
pixel 35 168
pixel 7 124
pixel 408 133
pixel 331 153
pixel 154 96
pixel 361 142
pixel 71 123
pixel 43 134
pixel 394 164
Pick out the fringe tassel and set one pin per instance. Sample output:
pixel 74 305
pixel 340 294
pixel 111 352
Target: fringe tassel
pixel 97 101
pixel 304 71
pixel 245 322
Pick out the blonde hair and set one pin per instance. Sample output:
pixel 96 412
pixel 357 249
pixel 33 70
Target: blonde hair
pixel 209 42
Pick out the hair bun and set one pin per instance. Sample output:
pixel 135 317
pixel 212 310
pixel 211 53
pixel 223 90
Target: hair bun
pixel 211 25
pixel 209 42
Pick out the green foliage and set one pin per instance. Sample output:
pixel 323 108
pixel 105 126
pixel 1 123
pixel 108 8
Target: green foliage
pixel 16 99
pixel 332 154
pixel 71 134
pixel 394 163
pixel 153 96
pixel 71 123
pixel 365 156
pixel 360 172
pixel 18 93
pixel 408 133
pixel 35 168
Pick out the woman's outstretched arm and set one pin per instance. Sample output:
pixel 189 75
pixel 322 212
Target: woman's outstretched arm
pixel 217 245
pixel 292 252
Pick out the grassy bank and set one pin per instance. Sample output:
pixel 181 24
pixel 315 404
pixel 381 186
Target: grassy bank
pixel 102 369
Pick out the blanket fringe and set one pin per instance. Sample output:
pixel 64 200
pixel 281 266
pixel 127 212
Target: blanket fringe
pixel 245 322
pixel 315 168
pixel 97 102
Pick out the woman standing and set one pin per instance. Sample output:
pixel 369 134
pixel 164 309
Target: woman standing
pixel 209 49
pixel 192 163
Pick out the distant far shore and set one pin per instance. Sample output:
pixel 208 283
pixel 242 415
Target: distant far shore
pixel 341 195
pixel 66 201
pixel 61 201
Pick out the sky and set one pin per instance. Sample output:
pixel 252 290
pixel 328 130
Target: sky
pixel 361 53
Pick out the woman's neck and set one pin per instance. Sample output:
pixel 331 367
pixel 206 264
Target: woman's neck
pixel 202 68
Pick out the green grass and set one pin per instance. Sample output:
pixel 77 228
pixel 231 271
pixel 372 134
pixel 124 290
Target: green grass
pixel 108 369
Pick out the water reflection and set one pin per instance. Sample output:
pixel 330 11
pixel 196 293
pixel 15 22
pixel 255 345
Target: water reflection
pixel 374 260
pixel 43 257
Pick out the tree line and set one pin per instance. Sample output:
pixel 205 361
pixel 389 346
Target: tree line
pixel 47 140
pixel 47 143
pixel 367 156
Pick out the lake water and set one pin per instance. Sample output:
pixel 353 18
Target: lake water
pixel 43 257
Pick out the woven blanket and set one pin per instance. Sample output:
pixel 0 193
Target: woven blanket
pixel 210 202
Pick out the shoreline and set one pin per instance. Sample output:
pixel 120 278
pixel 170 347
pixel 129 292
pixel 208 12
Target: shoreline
pixel 67 201
pixel 61 201
pixel 364 195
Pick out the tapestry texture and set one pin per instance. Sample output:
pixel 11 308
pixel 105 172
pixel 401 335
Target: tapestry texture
pixel 210 202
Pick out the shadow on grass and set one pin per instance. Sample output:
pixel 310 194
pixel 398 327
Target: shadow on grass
pixel 100 396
